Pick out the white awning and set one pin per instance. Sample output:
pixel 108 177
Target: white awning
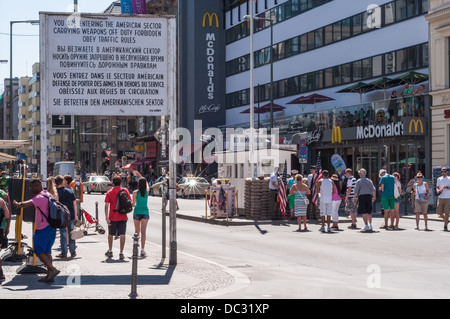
pixel 11 144
pixel 7 158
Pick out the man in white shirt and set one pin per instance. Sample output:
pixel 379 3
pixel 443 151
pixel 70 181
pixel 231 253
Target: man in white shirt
pixel 273 187
pixel 325 185
pixel 443 190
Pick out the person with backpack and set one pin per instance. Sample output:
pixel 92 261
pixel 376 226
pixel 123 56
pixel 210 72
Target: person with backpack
pixel 45 234
pixel 116 215
pixel 5 220
pixel 67 198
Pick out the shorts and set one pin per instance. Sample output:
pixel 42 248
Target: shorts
pixel 365 204
pixel 420 207
pixel 325 209
pixel 350 207
pixel 117 228
pixel 388 202
pixel 43 240
pixel 141 216
pixel 443 206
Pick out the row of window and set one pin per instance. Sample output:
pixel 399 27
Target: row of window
pixel 410 58
pixel 279 13
pixel 387 14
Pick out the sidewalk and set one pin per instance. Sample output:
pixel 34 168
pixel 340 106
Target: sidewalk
pixel 92 275
pixel 199 215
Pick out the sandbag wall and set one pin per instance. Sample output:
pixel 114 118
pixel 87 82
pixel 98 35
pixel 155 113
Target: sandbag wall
pixel 256 197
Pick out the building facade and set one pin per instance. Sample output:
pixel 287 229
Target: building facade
pixel 326 46
pixel 438 18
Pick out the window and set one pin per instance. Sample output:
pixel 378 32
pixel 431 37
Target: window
pixel 367 68
pixel 337 31
pixel 377 65
pixel 303 43
pixel 389 13
pixel 328 34
pixel 328 77
pixel 389 62
pixel 400 10
pixel 413 57
pixel 357 70
pixel 310 40
pixel 121 130
pixel 318 36
pixel 303 83
pixel 412 8
pixel 424 6
pixel 425 57
pixel 401 60
pixel 346 73
pixel 356 24
pixel 346 27
pixel 337 75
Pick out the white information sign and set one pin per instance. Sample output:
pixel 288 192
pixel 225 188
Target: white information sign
pixel 105 64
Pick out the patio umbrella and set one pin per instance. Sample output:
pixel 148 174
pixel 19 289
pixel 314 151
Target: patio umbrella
pixel 311 99
pixel 359 87
pixel 383 84
pixel 265 109
pixel 411 78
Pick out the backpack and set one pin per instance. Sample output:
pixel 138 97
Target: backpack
pixel 58 214
pixel 123 203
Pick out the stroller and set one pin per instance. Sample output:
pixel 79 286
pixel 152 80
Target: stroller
pixel 89 221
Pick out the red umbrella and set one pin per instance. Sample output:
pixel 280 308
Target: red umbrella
pixel 265 109
pixel 311 99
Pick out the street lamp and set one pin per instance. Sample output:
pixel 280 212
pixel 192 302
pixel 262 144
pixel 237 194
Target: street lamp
pixel 248 18
pixel 32 22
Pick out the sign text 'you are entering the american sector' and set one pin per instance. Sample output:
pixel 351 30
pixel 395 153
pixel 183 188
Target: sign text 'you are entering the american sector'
pixel 105 65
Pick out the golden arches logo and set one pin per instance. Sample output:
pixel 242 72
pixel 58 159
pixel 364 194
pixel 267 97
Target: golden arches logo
pixel 210 19
pixel 416 126
pixel 336 135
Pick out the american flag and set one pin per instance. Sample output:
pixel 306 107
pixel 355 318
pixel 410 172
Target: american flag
pixel 316 178
pixel 282 193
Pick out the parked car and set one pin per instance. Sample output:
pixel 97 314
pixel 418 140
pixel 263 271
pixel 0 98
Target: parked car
pixel 100 184
pixel 193 186
pixel 158 187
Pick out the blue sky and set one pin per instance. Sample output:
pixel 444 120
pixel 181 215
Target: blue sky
pixel 26 36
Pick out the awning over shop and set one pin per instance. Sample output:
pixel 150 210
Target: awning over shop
pixel 129 166
pixel 11 144
pixel 7 158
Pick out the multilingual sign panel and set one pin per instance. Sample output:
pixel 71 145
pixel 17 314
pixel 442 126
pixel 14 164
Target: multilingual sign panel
pixel 105 64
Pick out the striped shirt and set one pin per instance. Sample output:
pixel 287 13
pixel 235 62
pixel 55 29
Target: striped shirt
pixel 351 182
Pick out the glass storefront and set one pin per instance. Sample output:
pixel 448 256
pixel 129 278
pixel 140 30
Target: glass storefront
pixel 404 155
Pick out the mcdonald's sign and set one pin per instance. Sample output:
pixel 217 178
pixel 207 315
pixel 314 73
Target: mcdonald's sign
pixel 414 126
pixel 336 135
pixel 210 18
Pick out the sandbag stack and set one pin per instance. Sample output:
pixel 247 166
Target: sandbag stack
pixel 256 196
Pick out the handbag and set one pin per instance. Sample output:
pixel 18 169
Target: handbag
pixel 423 198
pixel 77 233
pixel 396 192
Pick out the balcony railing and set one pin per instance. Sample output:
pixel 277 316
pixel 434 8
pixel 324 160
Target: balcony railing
pixel 371 113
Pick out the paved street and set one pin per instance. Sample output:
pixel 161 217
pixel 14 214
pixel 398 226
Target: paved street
pixel 262 260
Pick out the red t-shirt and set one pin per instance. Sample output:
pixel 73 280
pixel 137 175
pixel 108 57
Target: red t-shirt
pixel 111 198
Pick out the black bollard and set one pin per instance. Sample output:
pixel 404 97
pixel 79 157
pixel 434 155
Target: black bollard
pixel 134 293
